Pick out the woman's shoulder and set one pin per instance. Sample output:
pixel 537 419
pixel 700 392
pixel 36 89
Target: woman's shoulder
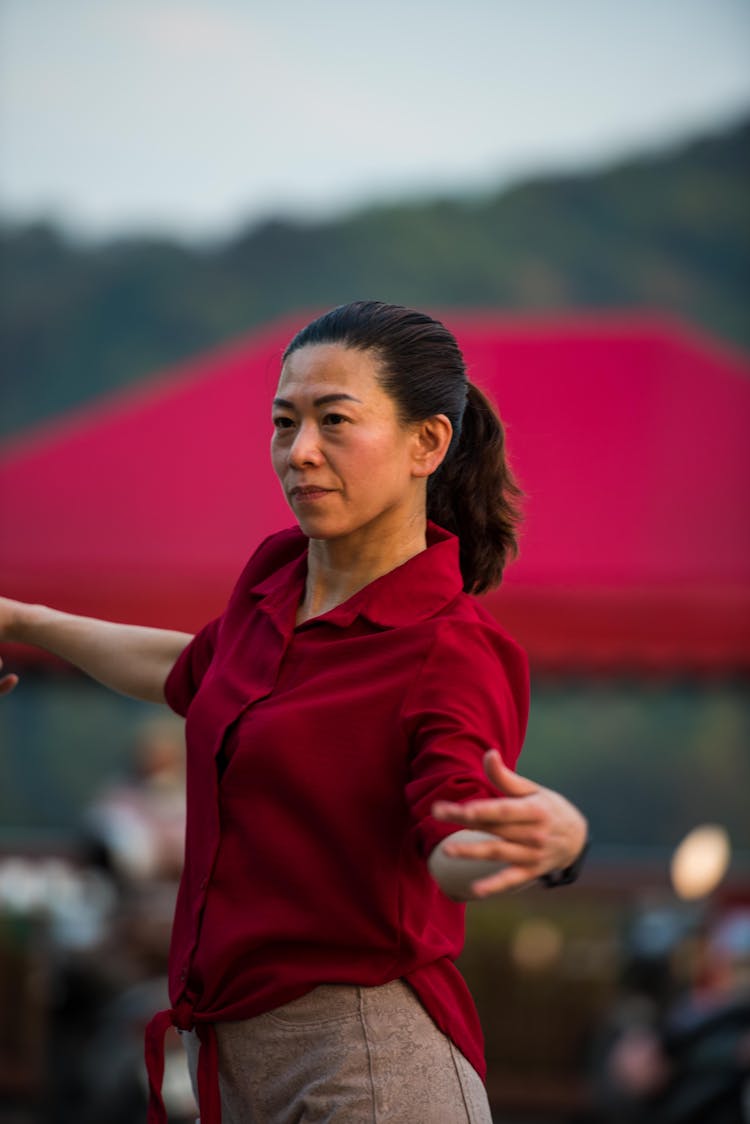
pixel 472 667
pixel 466 636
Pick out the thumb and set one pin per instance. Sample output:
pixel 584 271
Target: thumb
pixel 512 784
pixel 7 682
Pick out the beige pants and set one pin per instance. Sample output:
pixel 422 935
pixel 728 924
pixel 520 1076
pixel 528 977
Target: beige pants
pixel 344 1055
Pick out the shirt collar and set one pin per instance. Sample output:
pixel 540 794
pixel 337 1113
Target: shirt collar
pixel 413 591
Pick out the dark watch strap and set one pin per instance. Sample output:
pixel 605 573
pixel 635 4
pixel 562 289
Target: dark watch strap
pixel 569 874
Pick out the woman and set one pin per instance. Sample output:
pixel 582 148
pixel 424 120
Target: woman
pixel 351 709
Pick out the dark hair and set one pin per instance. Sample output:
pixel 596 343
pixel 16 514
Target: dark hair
pixel 473 493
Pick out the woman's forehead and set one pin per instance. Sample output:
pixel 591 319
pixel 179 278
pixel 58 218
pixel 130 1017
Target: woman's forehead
pixel 324 368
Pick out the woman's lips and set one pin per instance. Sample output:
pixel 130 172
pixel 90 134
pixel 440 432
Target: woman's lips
pixel 309 494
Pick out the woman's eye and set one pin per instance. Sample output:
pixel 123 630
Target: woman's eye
pixel 334 419
pixel 282 423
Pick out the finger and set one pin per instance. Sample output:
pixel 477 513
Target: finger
pixel 490 813
pixel 495 850
pixel 528 836
pixel 512 784
pixel 7 683
pixel 524 835
pixel 510 878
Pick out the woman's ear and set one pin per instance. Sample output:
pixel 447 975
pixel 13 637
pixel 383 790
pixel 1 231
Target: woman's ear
pixel 431 440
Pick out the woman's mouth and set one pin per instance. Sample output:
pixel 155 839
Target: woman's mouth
pixel 309 494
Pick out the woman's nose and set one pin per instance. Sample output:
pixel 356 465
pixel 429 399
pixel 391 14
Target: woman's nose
pixel 305 447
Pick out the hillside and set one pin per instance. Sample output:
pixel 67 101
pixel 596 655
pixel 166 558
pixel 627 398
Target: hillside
pixel 669 231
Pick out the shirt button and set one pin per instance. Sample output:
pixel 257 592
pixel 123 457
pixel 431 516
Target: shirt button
pixel 183 974
pixel 204 883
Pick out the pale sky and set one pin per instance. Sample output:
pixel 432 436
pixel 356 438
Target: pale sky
pixel 196 116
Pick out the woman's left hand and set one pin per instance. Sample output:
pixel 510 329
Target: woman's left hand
pixel 536 829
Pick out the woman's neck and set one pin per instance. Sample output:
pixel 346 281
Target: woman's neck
pixel 339 568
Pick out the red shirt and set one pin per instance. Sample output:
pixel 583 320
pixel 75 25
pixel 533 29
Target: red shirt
pixel 314 755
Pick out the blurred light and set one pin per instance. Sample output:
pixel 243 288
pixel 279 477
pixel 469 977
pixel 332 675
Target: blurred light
pixel 536 945
pixel 701 861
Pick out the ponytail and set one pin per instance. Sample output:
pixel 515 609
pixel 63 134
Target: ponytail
pixel 475 496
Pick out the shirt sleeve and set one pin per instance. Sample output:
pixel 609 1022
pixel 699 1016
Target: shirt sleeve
pixel 191 665
pixel 471 695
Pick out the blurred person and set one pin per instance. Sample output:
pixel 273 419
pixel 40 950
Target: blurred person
pixel 353 719
pixel 106 989
pixel 685 1058
pixel 136 825
pixel 628 1064
pixel 134 830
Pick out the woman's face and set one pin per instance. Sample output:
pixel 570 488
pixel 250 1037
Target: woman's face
pixel 346 463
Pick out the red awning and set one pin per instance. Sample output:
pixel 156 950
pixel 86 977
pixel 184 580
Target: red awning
pixel 629 435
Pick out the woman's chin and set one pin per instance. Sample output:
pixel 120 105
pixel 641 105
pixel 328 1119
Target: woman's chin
pixel 317 526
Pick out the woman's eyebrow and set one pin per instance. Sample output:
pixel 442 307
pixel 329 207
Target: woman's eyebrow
pixel 324 400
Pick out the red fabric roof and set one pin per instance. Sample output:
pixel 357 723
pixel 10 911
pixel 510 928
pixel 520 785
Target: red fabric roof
pixel 629 435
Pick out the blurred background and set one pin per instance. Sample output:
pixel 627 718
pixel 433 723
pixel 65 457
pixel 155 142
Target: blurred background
pixel 182 184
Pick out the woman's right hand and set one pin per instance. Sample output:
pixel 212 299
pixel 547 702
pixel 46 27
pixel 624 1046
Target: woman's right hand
pixel 7 682
pixel 8 617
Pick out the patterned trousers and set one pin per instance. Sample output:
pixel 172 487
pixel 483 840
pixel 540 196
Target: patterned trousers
pixel 344 1055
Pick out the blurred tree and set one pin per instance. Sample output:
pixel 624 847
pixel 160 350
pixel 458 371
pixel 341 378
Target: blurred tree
pixel 669 231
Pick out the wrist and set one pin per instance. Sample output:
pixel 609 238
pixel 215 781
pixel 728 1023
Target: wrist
pixel 23 622
pixel 569 873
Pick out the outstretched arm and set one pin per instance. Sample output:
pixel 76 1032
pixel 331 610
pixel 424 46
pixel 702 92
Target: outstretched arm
pixel 528 832
pixel 128 658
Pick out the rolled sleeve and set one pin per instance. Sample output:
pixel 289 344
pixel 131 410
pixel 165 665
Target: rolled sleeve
pixel 191 665
pixel 471 695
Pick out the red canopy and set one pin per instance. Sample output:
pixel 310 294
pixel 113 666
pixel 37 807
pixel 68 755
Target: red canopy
pixel 630 437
